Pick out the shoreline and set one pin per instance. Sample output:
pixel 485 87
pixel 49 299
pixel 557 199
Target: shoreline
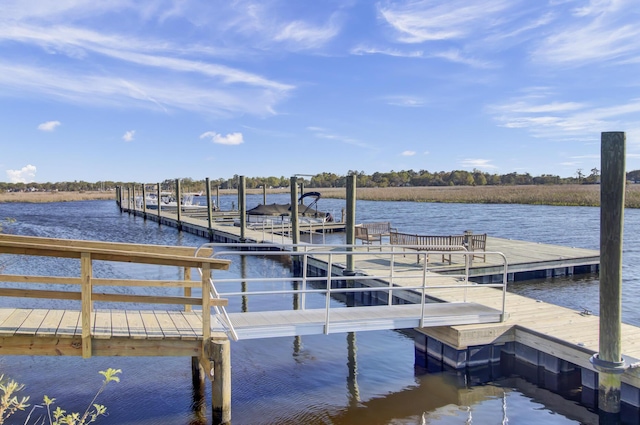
pixel 558 195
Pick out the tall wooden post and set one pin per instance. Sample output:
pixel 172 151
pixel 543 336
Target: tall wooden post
pixel 209 207
pixel 350 220
pixel 264 194
pixel 133 197
pixel 242 204
pixel 128 199
pixel 218 197
pixel 159 203
pixel 608 362
pixel 179 202
pixel 295 228
pixel 144 201
pixel 220 354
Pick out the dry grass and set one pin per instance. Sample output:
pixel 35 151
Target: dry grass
pixel 580 195
pixel 37 197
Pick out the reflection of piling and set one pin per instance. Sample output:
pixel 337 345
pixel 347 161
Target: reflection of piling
pixel 608 362
pixel 352 364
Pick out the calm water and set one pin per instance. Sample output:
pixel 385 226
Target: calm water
pixel 366 378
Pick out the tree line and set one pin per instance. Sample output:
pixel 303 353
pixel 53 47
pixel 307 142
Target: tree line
pixel 388 179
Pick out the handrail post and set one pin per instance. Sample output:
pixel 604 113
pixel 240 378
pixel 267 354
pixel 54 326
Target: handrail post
pixel 206 302
pixel 86 291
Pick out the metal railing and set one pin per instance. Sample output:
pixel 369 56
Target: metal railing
pixel 389 268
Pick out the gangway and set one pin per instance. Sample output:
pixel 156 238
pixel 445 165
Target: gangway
pixel 410 291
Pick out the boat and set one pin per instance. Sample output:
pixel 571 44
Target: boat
pixel 281 213
pixel 168 200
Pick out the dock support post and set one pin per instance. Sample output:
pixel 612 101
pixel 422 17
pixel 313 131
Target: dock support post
pixel 295 229
pixel 133 198
pixel 144 201
pixel 609 362
pixel 264 194
pixel 350 221
pixel 159 203
pixel 179 203
pixel 242 206
pixel 220 354
pixel 209 208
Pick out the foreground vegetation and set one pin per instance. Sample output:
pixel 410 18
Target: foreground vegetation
pixel 11 403
pixel 565 195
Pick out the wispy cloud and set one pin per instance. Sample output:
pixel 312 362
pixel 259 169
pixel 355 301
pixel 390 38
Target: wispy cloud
pixel 322 133
pixel 598 31
pixel 420 21
pixel 49 125
pixel 26 174
pixel 231 139
pixel 406 101
pixel 128 136
pixel 303 35
pixel 408 153
pixel 558 120
pixel 477 163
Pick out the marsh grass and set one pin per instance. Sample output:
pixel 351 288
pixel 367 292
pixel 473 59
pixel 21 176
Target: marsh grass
pixel 41 197
pixel 563 195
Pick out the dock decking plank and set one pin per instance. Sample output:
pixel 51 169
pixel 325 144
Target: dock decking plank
pixel 119 324
pixel 32 323
pixel 182 325
pixel 50 324
pixel 151 325
pixel 69 324
pixel 102 324
pixel 136 325
pixel 167 326
pixel 13 322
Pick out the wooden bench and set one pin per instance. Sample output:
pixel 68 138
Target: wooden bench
pixel 441 243
pixel 369 233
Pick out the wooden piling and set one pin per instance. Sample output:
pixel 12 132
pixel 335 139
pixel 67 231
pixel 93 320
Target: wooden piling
pixel 144 201
pixel 209 208
pixel 179 203
pixel 220 355
pixel 608 361
pixel 264 194
pixel 350 219
pixel 159 199
pixel 242 207
pixel 295 228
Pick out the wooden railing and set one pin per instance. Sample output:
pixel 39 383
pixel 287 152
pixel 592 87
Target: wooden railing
pixel 89 251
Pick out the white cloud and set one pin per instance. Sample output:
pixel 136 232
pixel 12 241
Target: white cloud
pixel 322 133
pixel 420 21
pixel 128 136
pixel 26 174
pixel 305 35
pixel 229 139
pixel 477 163
pixel 408 153
pixel 405 101
pixel 49 125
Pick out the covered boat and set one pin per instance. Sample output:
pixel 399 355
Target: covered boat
pixel 268 212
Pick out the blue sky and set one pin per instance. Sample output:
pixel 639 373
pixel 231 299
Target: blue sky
pixel 144 91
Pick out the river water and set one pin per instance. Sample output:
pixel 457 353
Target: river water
pixel 364 378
